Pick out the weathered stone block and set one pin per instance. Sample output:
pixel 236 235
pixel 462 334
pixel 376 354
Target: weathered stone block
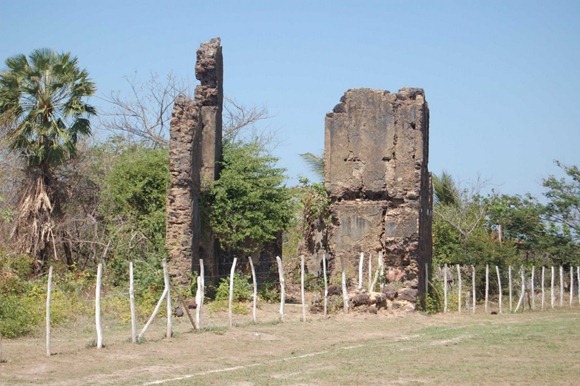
pixel 376 156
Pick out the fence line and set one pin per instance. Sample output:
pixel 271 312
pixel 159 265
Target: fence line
pixel 446 274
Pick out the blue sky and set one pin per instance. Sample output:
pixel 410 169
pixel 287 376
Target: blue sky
pixel 501 78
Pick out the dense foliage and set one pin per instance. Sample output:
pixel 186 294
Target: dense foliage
pixel 249 203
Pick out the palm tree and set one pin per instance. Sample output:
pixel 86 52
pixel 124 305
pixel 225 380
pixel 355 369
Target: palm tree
pixel 445 191
pixel 315 162
pixel 43 115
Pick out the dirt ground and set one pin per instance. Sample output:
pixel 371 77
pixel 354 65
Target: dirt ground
pixel 345 349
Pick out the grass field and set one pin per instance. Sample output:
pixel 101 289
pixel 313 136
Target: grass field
pixel 529 348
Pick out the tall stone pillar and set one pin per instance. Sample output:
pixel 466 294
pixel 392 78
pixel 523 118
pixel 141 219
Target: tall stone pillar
pixel 195 144
pixel 183 214
pixel 376 155
pixel 209 95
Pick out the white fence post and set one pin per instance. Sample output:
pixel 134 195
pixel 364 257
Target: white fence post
pixel 561 286
pixel 571 285
pixel 48 296
pixel 445 288
pixel 532 289
pixel 255 294
pixel 302 293
pixel 282 287
pixel 499 288
pixel 426 278
pixel 473 287
pixel 199 295
pixel 371 286
pixel 132 304
pixel 510 288
pixel 360 271
pixel 231 297
pixel 459 288
pixel 169 331
pixel 523 279
pixel 325 286
pixel 98 306
pixel 543 290
pixel 552 294
pixel 486 286
pixel 153 315
pixel 344 289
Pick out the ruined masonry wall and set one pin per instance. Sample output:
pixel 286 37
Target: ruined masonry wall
pixel 376 156
pixel 194 154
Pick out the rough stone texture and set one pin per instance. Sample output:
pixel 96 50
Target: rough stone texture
pixel 183 220
pixel 376 155
pixel 209 95
pixel 194 154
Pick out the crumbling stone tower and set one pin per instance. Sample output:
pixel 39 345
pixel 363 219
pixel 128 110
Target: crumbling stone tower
pixel 195 147
pixel 376 155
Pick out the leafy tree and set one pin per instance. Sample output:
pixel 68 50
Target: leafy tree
pixel 133 208
pixel 249 203
pixel 43 115
pixel 563 209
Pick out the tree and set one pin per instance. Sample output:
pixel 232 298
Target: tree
pixel 249 203
pixel 43 115
pixel 563 194
pixel 445 191
pixel 315 163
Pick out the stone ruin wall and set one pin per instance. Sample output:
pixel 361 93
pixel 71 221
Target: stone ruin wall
pixel 194 153
pixel 376 155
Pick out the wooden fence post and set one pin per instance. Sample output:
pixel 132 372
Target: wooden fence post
pixel 571 285
pixel 169 331
pixel 523 291
pixel 199 295
pixel 499 288
pixel 473 286
pixel 344 289
pixel 486 286
pixel 153 315
pixel 282 287
pixel 532 289
pixel 578 277
pixel 552 294
pixel 381 263
pixel 445 288
pixel 98 306
pixel 231 297
pixel 426 278
pixel 360 271
pixel 459 288
pixel 302 293
pixel 132 304
pixel 48 296
pixel 543 290
pixel 325 286
pixel 255 294
pixel 510 287
pixel 371 286
pixel 561 286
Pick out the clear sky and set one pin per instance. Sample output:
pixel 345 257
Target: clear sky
pixel 502 78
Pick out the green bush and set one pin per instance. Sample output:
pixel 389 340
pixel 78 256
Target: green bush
pixel 17 316
pixel 243 289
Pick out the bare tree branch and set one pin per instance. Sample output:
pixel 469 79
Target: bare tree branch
pixel 146 113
